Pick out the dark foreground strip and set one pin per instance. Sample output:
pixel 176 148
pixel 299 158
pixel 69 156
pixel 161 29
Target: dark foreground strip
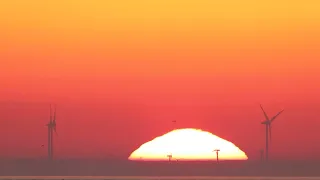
pixel 151 178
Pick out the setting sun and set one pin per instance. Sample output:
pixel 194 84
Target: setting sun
pixel 187 144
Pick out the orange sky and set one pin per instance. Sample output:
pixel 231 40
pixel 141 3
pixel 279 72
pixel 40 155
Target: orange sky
pixel 205 63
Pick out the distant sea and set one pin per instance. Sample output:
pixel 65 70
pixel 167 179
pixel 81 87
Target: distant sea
pixel 122 170
pixel 153 178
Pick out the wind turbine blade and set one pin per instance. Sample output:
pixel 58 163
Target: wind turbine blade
pixel 54 113
pixel 55 130
pixel 54 117
pixel 50 114
pixel 274 117
pixel 54 120
pixel 265 114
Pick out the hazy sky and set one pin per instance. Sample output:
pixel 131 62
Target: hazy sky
pixel 121 71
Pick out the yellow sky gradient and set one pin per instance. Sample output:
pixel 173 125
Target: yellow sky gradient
pixel 159 37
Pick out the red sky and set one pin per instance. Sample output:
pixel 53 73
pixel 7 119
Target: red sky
pixel 121 71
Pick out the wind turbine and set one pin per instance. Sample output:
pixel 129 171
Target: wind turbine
pixel 217 153
pixel 54 128
pixel 268 122
pixel 51 127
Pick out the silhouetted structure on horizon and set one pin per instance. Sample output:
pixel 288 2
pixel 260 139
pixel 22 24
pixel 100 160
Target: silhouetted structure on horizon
pixel 51 127
pixel 169 156
pixel 268 122
pixel 217 153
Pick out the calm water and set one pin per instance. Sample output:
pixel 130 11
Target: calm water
pixel 152 178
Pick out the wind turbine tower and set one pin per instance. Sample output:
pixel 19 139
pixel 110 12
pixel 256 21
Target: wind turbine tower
pixel 268 123
pixel 217 153
pixel 51 127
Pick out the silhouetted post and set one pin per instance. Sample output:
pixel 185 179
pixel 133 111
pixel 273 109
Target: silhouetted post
pixel 217 153
pixel 169 156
